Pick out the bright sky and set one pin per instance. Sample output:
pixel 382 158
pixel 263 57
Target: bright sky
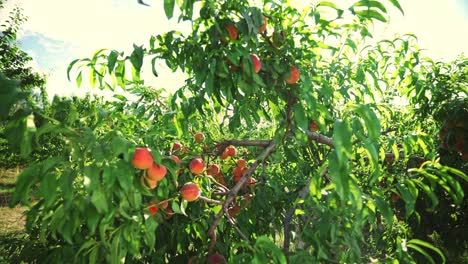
pixel 59 31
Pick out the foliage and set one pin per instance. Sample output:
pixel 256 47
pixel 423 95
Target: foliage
pixel 31 86
pixel 336 163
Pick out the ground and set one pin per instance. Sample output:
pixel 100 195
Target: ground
pixel 12 220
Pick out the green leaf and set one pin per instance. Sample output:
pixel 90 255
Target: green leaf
pixel 136 58
pixel 169 8
pixel 79 79
pixel 99 200
pixel 371 14
pixel 111 60
pixel 385 209
pixel 300 117
pixel 329 4
pixel 70 66
pixel 397 5
pixel 10 94
pixel 153 66
pixel 370 3
pixel 418 242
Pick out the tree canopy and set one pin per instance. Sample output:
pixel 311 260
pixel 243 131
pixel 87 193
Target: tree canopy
pixel 297 137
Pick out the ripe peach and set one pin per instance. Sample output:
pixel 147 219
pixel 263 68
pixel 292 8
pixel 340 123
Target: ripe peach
pixel 256 62
pixel 234 210
pixel 168 214
pixel 241 163
pixel 199 137
pixel 176 159
pixel 237 172
pixel 146 182
pixel 251 181
pixel 190 192
pixel 225 155
pixel 213 170
pixel 216 259
pixel 232 31
pixel 313 126
pixel 197 166
pixel 142 159
pixel 262 28
pixel 153 209
pixel 293 77
pixel 157 172
pixel 231 151
pixel 176 146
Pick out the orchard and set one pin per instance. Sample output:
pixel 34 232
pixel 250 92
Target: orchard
pixel 297 138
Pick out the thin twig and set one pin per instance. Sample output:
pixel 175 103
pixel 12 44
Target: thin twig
pixel 208 200
pixel 232 194
pixel 234 224
pixel 287 219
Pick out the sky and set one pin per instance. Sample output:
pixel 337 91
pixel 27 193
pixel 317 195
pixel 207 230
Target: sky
pixel 59 31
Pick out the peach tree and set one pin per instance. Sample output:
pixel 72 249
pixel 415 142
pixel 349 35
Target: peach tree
pixel 295 137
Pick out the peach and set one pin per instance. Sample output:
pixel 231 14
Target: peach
pixel 293 77
pixel 176 146
pixel 157 172
pixel 169 213
pixel 199 137
pixel 216 259
pixel 176 159
pixel 241 163
pixel 256 62
pixel 142 159
pixel 313 126
pixel 225 155
pixel 234 210
pixel 197 166
pixel 251 181
pixel 190 192
pixel 232 31
pixel 148 183
pixel 237 172
pixel 153 209
pixel 213 170
pixel 262 28
pixel 231 151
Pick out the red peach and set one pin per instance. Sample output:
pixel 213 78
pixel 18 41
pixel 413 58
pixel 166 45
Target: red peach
pixel 241 163
pixel 157 172
pixel 232 31
pixel 153 209
pixel 142 159
pixel 293 77
pixel 190 192
pixel 256 62
pixel 197 166
pixel 262 28
pixel 213 170
pixel 199 137
pixel 231 151
pixel 176 159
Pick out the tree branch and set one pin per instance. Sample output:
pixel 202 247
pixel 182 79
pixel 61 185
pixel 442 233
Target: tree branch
pixel 232 194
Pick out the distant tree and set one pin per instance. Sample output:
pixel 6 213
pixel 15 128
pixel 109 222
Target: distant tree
pixel 14 65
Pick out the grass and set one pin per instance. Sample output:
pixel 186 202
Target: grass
pixel 12 220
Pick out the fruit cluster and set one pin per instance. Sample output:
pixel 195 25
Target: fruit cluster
pixel 190 191
pixel 232 32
